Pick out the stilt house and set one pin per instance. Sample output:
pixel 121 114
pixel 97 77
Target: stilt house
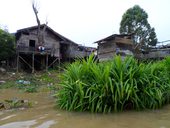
pixel 35 56
pixel 114 45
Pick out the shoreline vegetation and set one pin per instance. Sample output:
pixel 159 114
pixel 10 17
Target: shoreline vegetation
pixel 114 86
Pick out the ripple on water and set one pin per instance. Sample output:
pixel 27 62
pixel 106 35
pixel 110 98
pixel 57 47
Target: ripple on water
pixel 28 124
pixel 46 124
pixel 19 124
pixel 7 117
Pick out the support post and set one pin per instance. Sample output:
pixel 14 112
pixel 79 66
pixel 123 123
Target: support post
pixel 59 64
pixel 33 62
pixel 17 61
pixel 46 62
pixel 25 62
pixel 52 64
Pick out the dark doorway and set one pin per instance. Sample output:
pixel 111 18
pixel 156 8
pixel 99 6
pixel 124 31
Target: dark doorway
pixel 32 43
pixel 64 51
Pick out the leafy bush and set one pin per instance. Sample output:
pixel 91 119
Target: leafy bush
pixel 116 85
pixel 7 49
pixel 167 65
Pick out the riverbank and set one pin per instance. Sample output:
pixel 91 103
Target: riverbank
pixel 30 82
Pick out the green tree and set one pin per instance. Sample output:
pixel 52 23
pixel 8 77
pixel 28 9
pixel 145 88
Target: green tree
pixel 6 45
pixel 134 20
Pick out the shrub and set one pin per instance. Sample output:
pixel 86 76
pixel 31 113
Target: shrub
pixel 115 85
pixel 7 49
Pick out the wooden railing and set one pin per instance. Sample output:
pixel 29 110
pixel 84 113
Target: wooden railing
pixel 69 54
pixel 31 49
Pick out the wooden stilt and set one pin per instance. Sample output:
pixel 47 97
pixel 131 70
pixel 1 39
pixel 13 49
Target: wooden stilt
pixel 53 62
pixel 33 62
pixel 59 64
pixel 47 62
pixel 25 62
pixel 17 61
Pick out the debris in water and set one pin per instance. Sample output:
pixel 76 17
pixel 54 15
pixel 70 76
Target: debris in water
pixel 15 103
pixel 23 82
pixel 2 82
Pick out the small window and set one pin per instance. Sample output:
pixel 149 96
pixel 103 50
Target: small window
pixel 25 33
pixel 32 43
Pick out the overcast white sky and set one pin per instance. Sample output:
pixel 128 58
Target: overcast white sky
pixel 84 21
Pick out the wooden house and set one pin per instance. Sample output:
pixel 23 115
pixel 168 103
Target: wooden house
pixel 114 45
pixel 154 53
pixel 35 56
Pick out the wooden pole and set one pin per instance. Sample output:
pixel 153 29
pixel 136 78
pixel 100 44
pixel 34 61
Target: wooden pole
pixel 70 52
pixel 53 62
pixel 59 64
pixel 17 61
pixel 47 62
pixel 60 55
pixel 33 62
pixel 25 62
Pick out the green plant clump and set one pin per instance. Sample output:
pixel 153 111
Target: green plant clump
pixel 115 85
pixel 7 84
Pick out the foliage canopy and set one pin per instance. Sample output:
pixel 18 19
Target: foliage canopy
pixel 135 20
pixel 6 45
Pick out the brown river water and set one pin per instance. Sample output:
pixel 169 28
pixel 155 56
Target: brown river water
pixel 43 114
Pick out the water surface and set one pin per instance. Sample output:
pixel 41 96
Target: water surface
pixel 44 115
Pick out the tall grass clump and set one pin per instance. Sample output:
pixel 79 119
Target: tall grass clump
pixel 167 64
pixel 115 85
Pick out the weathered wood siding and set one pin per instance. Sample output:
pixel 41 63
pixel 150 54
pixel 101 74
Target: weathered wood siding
pixel 155 54
pixel 78 54
pixel 73 52
pixel 24 40
pixel 107 50
pixel 123 40
pixel 52 44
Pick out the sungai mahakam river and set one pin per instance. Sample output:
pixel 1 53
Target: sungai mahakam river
pixel 43 114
